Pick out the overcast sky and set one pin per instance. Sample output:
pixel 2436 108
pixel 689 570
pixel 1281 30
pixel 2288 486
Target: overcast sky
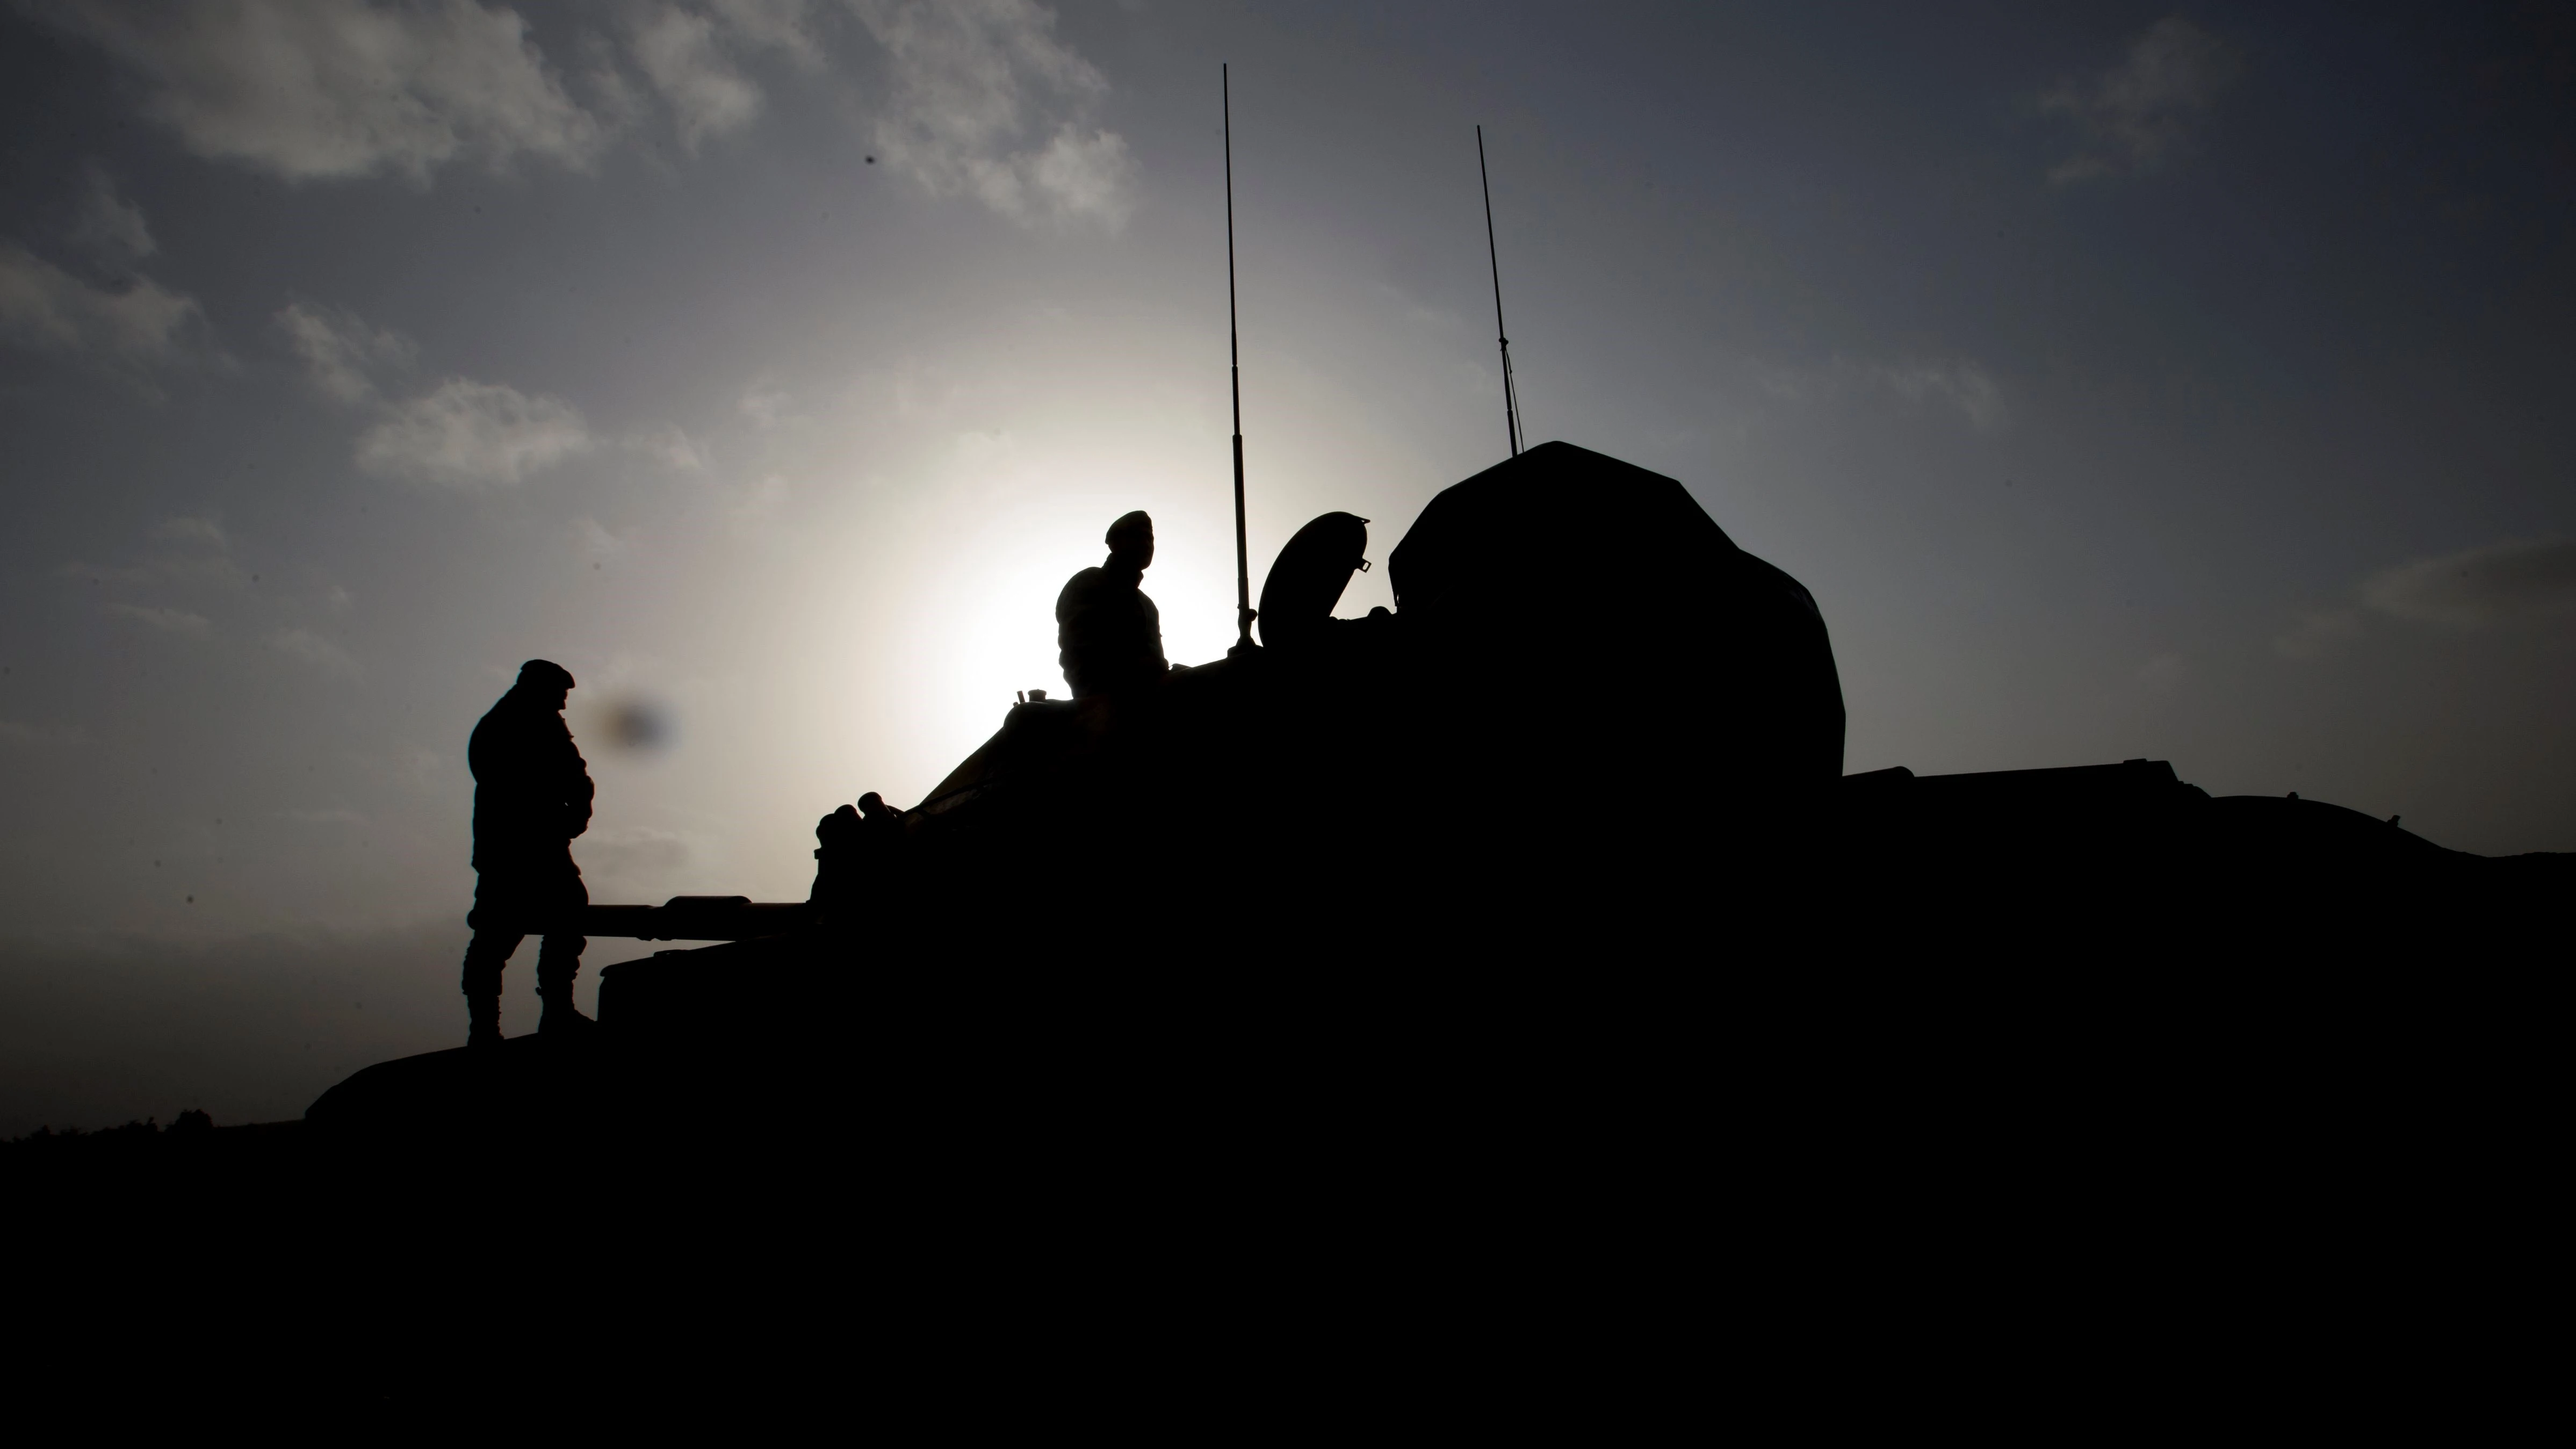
pixel 2123 381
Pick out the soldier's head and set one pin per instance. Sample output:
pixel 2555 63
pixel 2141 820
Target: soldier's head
pixel 545 681
pixel 1131 540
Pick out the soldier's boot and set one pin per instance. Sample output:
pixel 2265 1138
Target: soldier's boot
pixel 557 964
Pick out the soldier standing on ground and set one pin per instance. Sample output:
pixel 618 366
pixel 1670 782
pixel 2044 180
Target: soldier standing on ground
pixel 1110 635
pixel 531 797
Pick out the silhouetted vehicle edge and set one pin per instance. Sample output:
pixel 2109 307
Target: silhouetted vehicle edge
pixel 1510 828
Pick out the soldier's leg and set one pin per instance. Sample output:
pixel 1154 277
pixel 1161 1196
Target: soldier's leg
pixel 484 958
pixel 558 962
pixel 559 958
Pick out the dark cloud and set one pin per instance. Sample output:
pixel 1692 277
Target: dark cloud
pixel 2500 584
pixel 2142 110
pixel 137 323
pixel 316 90
pixel 108 227
pixel 341 353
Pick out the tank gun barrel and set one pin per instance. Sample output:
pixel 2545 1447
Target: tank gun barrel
pixel 698 918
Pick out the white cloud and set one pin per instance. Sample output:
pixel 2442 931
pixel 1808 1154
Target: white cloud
pixel 108 227
pixel 987 103
pixel 138 323
pixel 472 435
pixel 786 25
pixel 757 504
pixel 1793 385
pixel 2500 583
pixel 1085 173
pixel 678 53
pixel 423 770
pixel 2141 111
pixel 203 570
pixel 463 433
pixel 597 543
pixel 202 560
pixel 2518 582
pixel 110 316
pixel 673 447
pixel 764 405
pixel 313 649
pixel 203 532
pixel 1956 383
pixel 167 621
pixel 329 89
pixel 339 351
pixel 983 100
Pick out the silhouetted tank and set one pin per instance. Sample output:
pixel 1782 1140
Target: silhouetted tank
pixel 1586 777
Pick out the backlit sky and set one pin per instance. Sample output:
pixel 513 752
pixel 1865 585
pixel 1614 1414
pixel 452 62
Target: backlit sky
pixel 2123 381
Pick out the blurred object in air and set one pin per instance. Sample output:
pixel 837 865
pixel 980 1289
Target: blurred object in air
pixel 637 723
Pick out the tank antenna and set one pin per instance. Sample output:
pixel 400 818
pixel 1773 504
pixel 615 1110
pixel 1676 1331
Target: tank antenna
pixel 1234 369
pixel 1511 397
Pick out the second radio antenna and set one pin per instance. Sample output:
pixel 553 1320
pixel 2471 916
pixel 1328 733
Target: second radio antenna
pixel 1234 371
pixel 1511 396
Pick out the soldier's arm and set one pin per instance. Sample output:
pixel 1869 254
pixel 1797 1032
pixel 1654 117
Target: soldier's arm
pixel 1153 624
pixel 577 802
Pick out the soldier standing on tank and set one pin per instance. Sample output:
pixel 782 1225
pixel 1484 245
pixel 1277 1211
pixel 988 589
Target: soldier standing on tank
pixel 531 797
pixel 1109 633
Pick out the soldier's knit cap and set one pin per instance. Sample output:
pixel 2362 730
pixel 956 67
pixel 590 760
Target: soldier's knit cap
pixel 1136 525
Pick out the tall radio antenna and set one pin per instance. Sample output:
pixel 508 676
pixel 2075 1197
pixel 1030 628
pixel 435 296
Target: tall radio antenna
pixel 1234 369
pixel 1511 396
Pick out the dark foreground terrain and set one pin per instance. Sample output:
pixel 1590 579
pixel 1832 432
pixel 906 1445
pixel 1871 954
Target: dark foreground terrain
pixel 2039 1147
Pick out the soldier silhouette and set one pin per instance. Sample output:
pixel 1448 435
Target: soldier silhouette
pixel 855 848
pixel 1109 634
pixel 531 797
